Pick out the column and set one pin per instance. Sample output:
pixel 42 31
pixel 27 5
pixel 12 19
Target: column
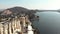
pixel 13 25
pixel 18 25
pixel 6 29
pixel 10 28
pixel 15 21
pixel 1 29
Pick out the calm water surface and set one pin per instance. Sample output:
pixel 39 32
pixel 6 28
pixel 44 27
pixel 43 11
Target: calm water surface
pixel 49 22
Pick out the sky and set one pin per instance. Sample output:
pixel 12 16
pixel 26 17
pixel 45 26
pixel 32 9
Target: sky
pixel 31 4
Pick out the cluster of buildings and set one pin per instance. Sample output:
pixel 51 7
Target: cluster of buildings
pixel 16 25
pixel 16 20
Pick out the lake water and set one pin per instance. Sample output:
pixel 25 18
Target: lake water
pixel 49 22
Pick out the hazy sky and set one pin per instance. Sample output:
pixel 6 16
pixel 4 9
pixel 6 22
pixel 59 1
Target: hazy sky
pixel 31 4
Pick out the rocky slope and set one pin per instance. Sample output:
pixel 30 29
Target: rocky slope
pixel 17 11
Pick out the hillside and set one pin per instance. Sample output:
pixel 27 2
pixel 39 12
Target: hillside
pixel 17 11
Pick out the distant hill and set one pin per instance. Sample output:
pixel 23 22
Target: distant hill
pixel 46 10
pixel 17 11
pixel 1 9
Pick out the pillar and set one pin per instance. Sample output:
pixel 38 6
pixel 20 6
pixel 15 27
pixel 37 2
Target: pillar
pixel 13 25
pixel 6 29
pixel 18 25
pixel 10 31
pixel 1 29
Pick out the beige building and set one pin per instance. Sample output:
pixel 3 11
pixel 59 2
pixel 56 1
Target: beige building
pixel 15 26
